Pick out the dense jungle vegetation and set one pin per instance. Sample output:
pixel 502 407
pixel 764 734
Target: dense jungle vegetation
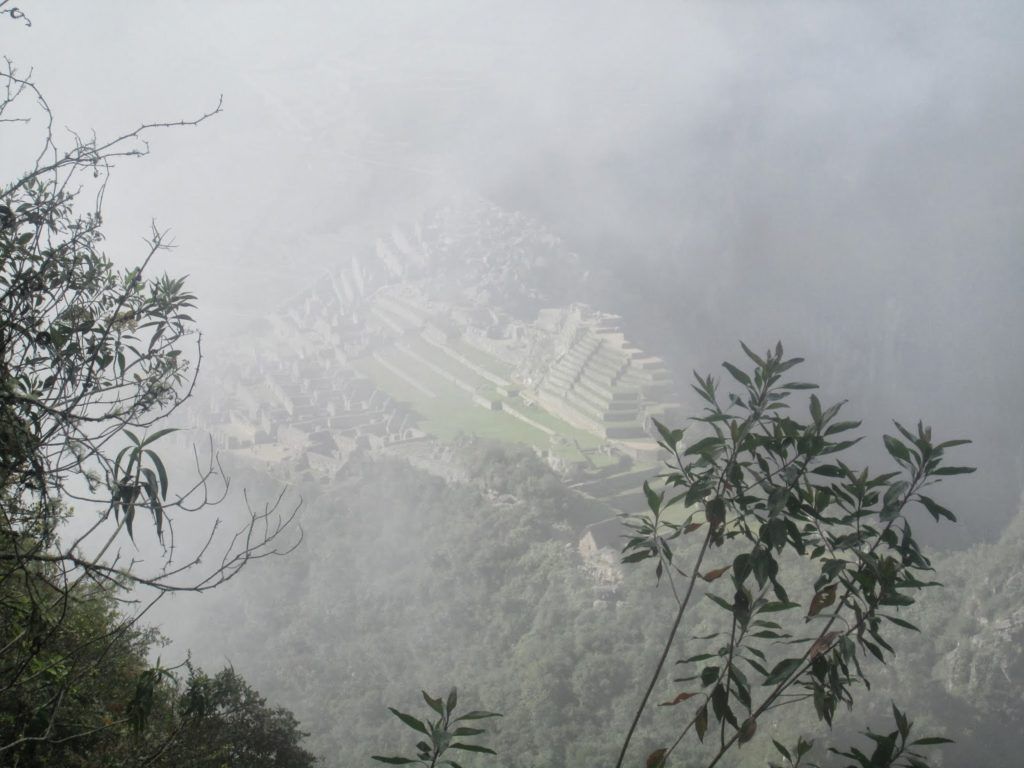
pixel 488 590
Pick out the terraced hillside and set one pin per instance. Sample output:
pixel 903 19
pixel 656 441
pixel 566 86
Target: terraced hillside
pixel 453 324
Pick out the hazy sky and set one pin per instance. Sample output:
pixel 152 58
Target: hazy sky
pixel 846 176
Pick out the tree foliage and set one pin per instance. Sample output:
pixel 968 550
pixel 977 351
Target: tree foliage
pixel 94 360
pixel 769 496
pixel 766 487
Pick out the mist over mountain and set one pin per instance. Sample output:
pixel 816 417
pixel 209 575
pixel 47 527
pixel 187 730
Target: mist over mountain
pixel 456 261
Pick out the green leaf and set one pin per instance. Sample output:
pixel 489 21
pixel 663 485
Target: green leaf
pixel 900 622
pixel 737 374
pixel 841 426
pixel 656 759
pixel 653 499
pixel 393 760
pixel 935 509
pixel 703 446
pixel 901 720
pixel 701 722
pixel 782 671
pixel 678 699
pixel 411 721
pixel 477 714
pixel 161 471
pixel 775 607
pixel 945 471
pixel 670 436
pixel 782 750
pixel 708 675
pixel 931 740
pixel 453 698
pixel 434 704
pixel 715 511
pixel 698 657
pixel 828 470
pixel 473 748
pixel 896 449
pixel 803 747
pixel 157 435
pixel 749 353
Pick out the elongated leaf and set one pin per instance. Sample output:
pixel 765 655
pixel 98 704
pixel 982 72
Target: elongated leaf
pixel 777 606
pixel 701 722
pixel 150 439
pixel 815 409
pixel 935 509
pixel 782 750
pixel 749 353
pixel 477 714
pixel 393 760
pixel 737 374
pixel 782 671
pixel 896 449
pixel 715 574
pixel 656 759
pixel 945 471
pixel 434 704
pixel 411 721
pixel 160 471
pixel 473 748
pixel 453 699
pixel 705 445
pixel 653 498
pixel 678 699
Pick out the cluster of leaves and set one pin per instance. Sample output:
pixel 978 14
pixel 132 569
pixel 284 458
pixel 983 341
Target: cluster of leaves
pixel 86 350
pixel 767 488
pixel 442 732
pixel 890 749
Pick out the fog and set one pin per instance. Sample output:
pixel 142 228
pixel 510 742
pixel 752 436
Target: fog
pixel 845 177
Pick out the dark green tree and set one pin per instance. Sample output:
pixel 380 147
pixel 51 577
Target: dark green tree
pixel 94 359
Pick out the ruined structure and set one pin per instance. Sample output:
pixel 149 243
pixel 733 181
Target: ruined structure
pixel 454 323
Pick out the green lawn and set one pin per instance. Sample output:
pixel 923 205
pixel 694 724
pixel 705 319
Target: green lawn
pixel 452 411
pixel 445 362
pixel 487 362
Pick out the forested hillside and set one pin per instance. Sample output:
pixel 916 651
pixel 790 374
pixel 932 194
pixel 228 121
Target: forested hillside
pixel 405 582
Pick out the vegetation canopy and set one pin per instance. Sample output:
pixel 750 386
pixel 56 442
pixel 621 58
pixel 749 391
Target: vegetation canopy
pixel 818 558
pixel 94 358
